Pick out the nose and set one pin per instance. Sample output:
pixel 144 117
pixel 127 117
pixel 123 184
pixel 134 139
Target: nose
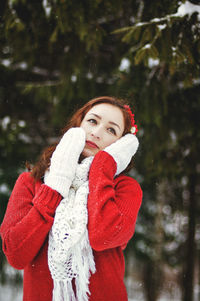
pixel 96 132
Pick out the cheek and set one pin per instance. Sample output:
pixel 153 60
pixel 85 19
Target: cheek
pixel 109 140
pixel 85 126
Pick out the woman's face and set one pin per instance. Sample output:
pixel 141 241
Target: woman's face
pixel 103 124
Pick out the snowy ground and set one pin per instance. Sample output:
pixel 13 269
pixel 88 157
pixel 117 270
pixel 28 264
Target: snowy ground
pixel 135 289
pixel 8 293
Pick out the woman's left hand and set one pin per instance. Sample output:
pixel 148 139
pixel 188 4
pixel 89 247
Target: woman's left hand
pixel 123 150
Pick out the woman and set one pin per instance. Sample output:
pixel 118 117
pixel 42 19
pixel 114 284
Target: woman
pixel 70 217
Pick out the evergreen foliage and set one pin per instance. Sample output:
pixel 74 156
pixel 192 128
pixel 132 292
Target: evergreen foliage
pixel 56 55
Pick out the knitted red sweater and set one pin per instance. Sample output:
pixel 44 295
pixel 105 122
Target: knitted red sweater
pixel 113 206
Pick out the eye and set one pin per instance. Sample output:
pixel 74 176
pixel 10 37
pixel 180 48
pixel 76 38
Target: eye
pixel 112 131
pixel 93 121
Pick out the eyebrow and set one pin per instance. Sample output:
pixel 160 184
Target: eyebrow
pixel 111 122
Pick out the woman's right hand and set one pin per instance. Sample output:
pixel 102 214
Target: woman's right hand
pixel 64 160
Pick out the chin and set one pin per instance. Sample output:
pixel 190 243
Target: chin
pixel 88 152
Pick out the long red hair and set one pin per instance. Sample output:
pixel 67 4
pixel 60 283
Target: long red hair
pixel 43 163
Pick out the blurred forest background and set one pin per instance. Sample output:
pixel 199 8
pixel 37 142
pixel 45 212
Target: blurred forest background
pixel 55 56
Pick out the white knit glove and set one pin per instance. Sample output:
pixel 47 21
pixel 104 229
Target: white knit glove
pixel 123 150
pixel 64 161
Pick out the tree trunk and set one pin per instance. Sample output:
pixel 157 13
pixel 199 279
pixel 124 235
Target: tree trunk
pixel 188 281
pixel 153 271
pixel 199 275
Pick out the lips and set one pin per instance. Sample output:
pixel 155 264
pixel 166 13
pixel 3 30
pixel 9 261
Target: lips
pixel 91 144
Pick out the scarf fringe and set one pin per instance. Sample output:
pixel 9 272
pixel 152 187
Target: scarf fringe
pixel 63 291
pixel 70 255
pixel 82 257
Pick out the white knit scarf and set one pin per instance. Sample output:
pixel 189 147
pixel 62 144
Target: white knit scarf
pixel 69 252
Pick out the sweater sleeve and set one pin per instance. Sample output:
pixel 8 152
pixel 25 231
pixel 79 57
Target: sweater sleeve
pixel 28 219
pixel 113 204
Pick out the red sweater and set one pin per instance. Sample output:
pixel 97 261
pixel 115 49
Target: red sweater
pixel 113 205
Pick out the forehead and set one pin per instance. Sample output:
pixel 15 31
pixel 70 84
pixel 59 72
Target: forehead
pixel 107 111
